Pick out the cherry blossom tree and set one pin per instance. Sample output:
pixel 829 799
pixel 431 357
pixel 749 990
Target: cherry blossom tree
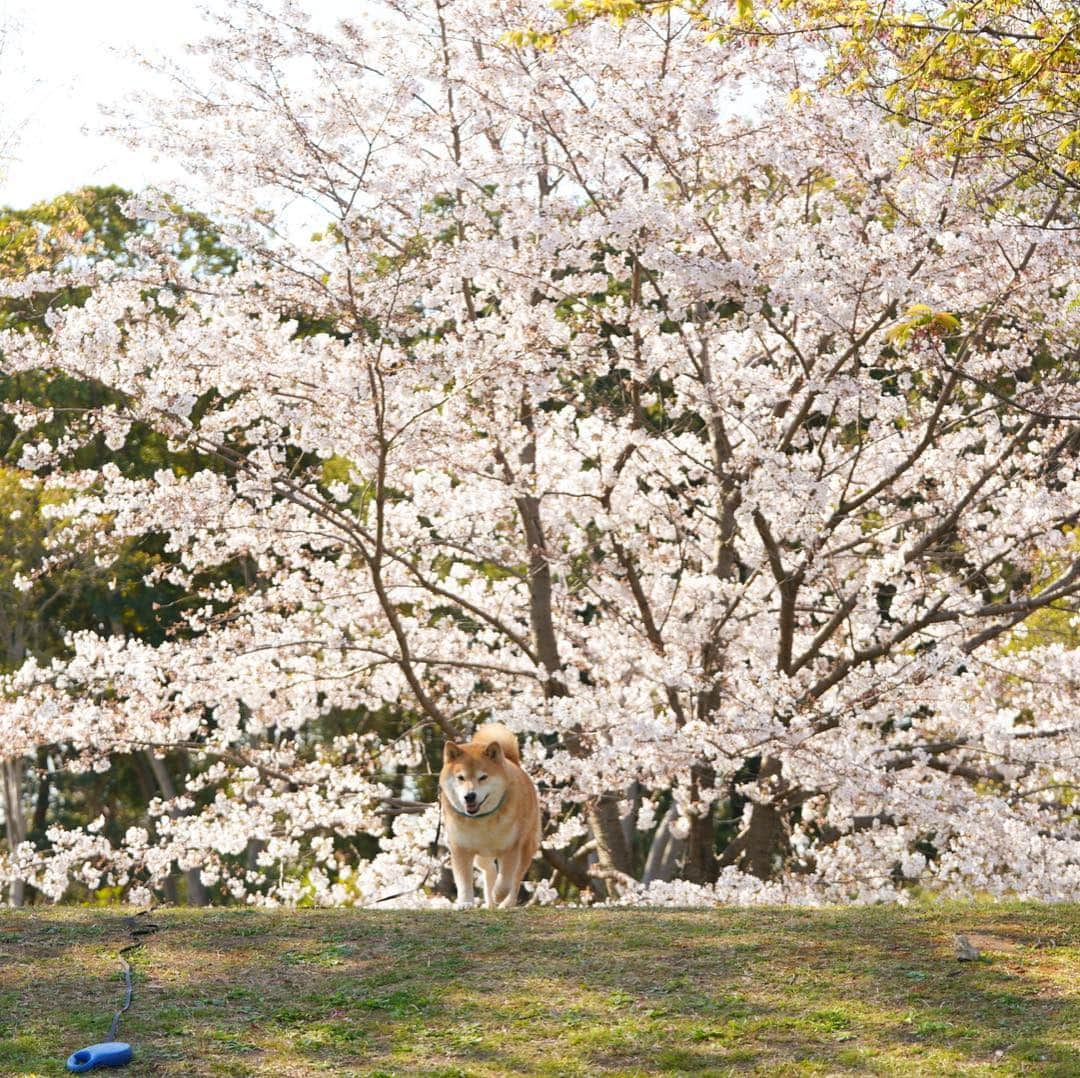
pixel 618 397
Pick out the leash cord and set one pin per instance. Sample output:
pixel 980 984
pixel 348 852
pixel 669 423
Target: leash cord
pixel 434 850
pixel 136 930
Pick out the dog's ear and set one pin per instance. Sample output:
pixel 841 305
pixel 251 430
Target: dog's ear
pixel 452 752
pixel 494 751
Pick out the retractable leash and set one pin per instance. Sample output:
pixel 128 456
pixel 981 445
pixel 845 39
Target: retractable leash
pixel 114 1053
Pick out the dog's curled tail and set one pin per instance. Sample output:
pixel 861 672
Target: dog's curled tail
pixel 495 731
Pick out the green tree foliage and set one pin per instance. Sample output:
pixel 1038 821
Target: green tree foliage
pixel 993 79
pixel 90 225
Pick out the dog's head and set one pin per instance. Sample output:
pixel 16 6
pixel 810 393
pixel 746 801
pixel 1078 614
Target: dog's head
pixel 473 777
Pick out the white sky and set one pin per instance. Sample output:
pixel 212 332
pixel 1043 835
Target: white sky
pixel 60 62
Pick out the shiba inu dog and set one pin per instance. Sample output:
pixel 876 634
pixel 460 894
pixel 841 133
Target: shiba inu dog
pixel 492 815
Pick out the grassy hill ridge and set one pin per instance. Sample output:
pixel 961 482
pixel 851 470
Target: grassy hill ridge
pixel 551 991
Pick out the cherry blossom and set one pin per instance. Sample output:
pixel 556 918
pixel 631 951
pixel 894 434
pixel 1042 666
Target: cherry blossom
pixel 609 392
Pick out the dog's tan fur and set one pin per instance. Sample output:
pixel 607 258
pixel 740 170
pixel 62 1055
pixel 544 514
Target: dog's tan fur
pixel 504 835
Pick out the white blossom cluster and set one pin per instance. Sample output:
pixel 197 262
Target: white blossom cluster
pixel 605 431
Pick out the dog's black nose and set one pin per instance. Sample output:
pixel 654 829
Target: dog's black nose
pixel 470 797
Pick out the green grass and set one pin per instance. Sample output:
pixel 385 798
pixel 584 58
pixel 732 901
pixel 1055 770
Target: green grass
pixel 552 992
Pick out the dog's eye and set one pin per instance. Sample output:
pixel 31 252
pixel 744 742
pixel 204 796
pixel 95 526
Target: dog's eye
pixel 461 778
pixel 480 778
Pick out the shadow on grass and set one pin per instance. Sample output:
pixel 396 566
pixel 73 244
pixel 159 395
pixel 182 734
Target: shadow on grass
pixel 551 991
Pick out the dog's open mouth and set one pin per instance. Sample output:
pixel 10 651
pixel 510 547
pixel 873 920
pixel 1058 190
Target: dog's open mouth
pixel 472 810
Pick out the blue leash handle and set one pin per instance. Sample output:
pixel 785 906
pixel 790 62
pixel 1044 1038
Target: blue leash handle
pixel 106 1054
pixel 114 1053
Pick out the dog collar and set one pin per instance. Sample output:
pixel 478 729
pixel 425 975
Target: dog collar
pixel 475 815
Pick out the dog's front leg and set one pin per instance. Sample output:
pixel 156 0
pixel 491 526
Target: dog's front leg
pixel 461 861
pixel 489 867
pixel 510 874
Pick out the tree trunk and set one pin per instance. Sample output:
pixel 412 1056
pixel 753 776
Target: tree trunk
pixel 602 814
pixel 665 853
pixel 632 798
pixel 11 773
pixel 605 823
pixel 41 801
pixel 701 865
pixel 196 892
pixel 763 839
pixel 755 850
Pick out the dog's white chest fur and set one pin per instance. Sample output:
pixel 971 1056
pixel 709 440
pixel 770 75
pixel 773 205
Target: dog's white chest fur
pixel 487 836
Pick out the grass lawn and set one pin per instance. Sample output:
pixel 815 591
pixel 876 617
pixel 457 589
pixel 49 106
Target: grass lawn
pixel 551 991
